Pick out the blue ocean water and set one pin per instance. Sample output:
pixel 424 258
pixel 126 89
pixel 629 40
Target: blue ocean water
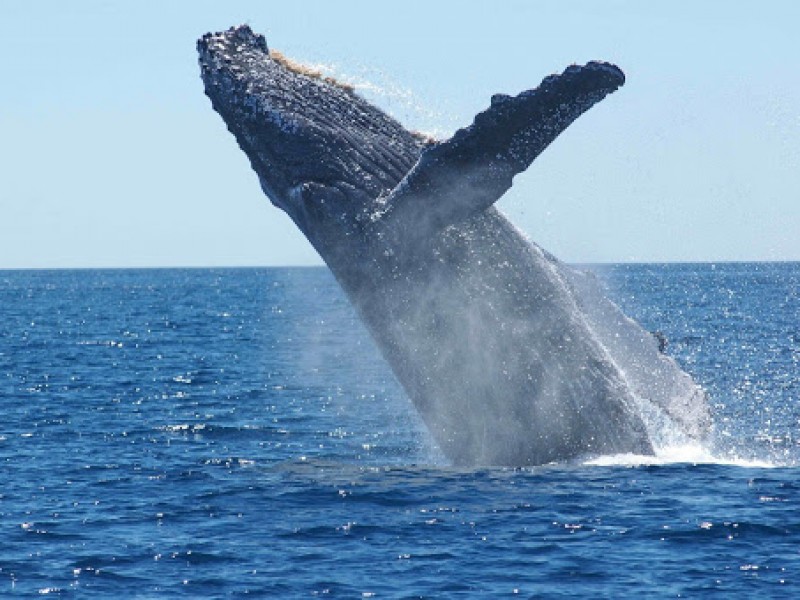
pixel 216 433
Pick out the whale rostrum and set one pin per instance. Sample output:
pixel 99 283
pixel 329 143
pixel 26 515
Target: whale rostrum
pixel 510 356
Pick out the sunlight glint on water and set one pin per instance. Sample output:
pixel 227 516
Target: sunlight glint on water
pixel 206 433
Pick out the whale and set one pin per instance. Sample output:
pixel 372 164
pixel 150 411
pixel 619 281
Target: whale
pixel 511 357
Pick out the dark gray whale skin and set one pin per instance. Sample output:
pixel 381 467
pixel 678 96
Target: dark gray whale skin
pixel 511 357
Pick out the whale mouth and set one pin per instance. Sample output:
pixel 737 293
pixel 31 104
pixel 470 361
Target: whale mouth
pixel 299 128
pixel 248 89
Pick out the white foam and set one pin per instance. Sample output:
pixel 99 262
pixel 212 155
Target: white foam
pixel 689 453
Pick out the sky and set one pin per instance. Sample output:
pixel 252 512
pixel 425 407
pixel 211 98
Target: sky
pixel 111 156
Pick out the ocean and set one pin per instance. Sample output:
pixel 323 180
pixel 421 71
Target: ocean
pixel 218 433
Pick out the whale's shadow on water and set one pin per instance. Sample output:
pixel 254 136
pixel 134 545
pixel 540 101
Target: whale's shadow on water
pixel 511 357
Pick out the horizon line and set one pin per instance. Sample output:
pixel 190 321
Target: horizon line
pixel 324 266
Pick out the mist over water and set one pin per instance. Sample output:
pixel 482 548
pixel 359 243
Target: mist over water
pixel 402 102
pixel 215 432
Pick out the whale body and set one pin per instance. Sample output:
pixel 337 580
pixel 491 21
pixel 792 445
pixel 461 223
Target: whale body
pixel 511 357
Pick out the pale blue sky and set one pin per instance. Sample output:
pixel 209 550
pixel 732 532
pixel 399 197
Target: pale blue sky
pixel 110 154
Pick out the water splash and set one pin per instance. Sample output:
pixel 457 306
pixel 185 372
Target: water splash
pixel 690 453
pixel 402 102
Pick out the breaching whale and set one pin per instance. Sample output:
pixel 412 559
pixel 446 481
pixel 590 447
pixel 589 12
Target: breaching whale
pixel 511 357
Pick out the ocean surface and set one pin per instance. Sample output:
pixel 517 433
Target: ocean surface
pixel 223 432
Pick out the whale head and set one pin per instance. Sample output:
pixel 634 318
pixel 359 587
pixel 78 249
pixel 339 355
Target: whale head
pixel 322 153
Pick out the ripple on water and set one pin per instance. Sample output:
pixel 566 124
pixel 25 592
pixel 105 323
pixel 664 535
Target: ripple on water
pixel 205 455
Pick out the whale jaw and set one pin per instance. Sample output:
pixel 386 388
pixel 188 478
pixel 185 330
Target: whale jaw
pixel 308 139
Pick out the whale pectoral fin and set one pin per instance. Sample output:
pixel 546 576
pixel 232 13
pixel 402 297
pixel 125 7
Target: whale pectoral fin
pixel 466 174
